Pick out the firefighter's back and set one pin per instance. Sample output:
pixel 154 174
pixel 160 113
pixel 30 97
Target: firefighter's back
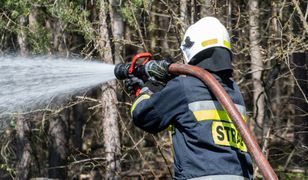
pixel 205 140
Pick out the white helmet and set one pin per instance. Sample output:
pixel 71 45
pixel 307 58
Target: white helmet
pixel 206 33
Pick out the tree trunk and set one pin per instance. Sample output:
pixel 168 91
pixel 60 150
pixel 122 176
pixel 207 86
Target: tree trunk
pixel 300 61
pixel 78 111
pixel 109 100
pixel 111 130
pixel 164 23
pixel 33 19
pixel 105 39
pixel 117 28
pixel 23 149
pixel 272 99
pixel 152 28
pixel 184 15
pixel 58 151
pixel 256 68
pixel 22 37
pixel 22 128
pixel 59 38
pixel 229 14
pixel 49 26
pixel 192 11
pixel 207 8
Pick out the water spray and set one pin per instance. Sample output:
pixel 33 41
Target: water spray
pixel 123 71
pixel 28 83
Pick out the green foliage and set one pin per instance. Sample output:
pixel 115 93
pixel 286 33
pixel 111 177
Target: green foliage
pixel 292 176
pixel 133 8
pixel 151 27
pixel 147 4
pixel 282 174
pixel 127 15
pixel 75 17
pixel 13 123
pixel 137 3
pixel 6 167
pixel 16 8
pixel 2 24
pixel 39 39
pixel 71 15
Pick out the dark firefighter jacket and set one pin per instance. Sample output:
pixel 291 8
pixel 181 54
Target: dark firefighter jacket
pixel 205 140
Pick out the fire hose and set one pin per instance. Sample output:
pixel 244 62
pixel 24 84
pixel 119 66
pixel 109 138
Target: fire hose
pixel 123 71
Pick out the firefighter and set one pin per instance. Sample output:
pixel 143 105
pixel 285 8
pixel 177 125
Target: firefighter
pixel 205 141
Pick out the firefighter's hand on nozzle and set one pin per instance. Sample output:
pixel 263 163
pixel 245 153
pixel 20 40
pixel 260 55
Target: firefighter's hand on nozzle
pixel 158 70
pixel 132 83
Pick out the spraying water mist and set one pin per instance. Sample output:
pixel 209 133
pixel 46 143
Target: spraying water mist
pixel 29 82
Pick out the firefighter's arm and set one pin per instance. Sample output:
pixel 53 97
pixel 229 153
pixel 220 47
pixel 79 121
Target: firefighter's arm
pixel 155 112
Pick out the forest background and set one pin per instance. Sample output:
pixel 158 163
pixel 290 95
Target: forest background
pixel 92 136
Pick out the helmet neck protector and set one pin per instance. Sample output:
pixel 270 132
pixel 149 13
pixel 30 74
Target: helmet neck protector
pixel 215 59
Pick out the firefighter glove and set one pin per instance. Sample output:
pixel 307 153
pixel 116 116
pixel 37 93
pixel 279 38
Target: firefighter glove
pixel 158 70
pixel 132 84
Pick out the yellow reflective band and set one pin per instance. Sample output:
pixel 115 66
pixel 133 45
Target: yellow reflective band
pixel 171 128
pixel 213 105
pixel 227 44
pixel 225 134
pixel 209 42
pixel 138 100
pixel 217 115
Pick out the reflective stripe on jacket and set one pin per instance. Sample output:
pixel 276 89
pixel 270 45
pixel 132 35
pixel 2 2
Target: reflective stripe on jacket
pixel 205 141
